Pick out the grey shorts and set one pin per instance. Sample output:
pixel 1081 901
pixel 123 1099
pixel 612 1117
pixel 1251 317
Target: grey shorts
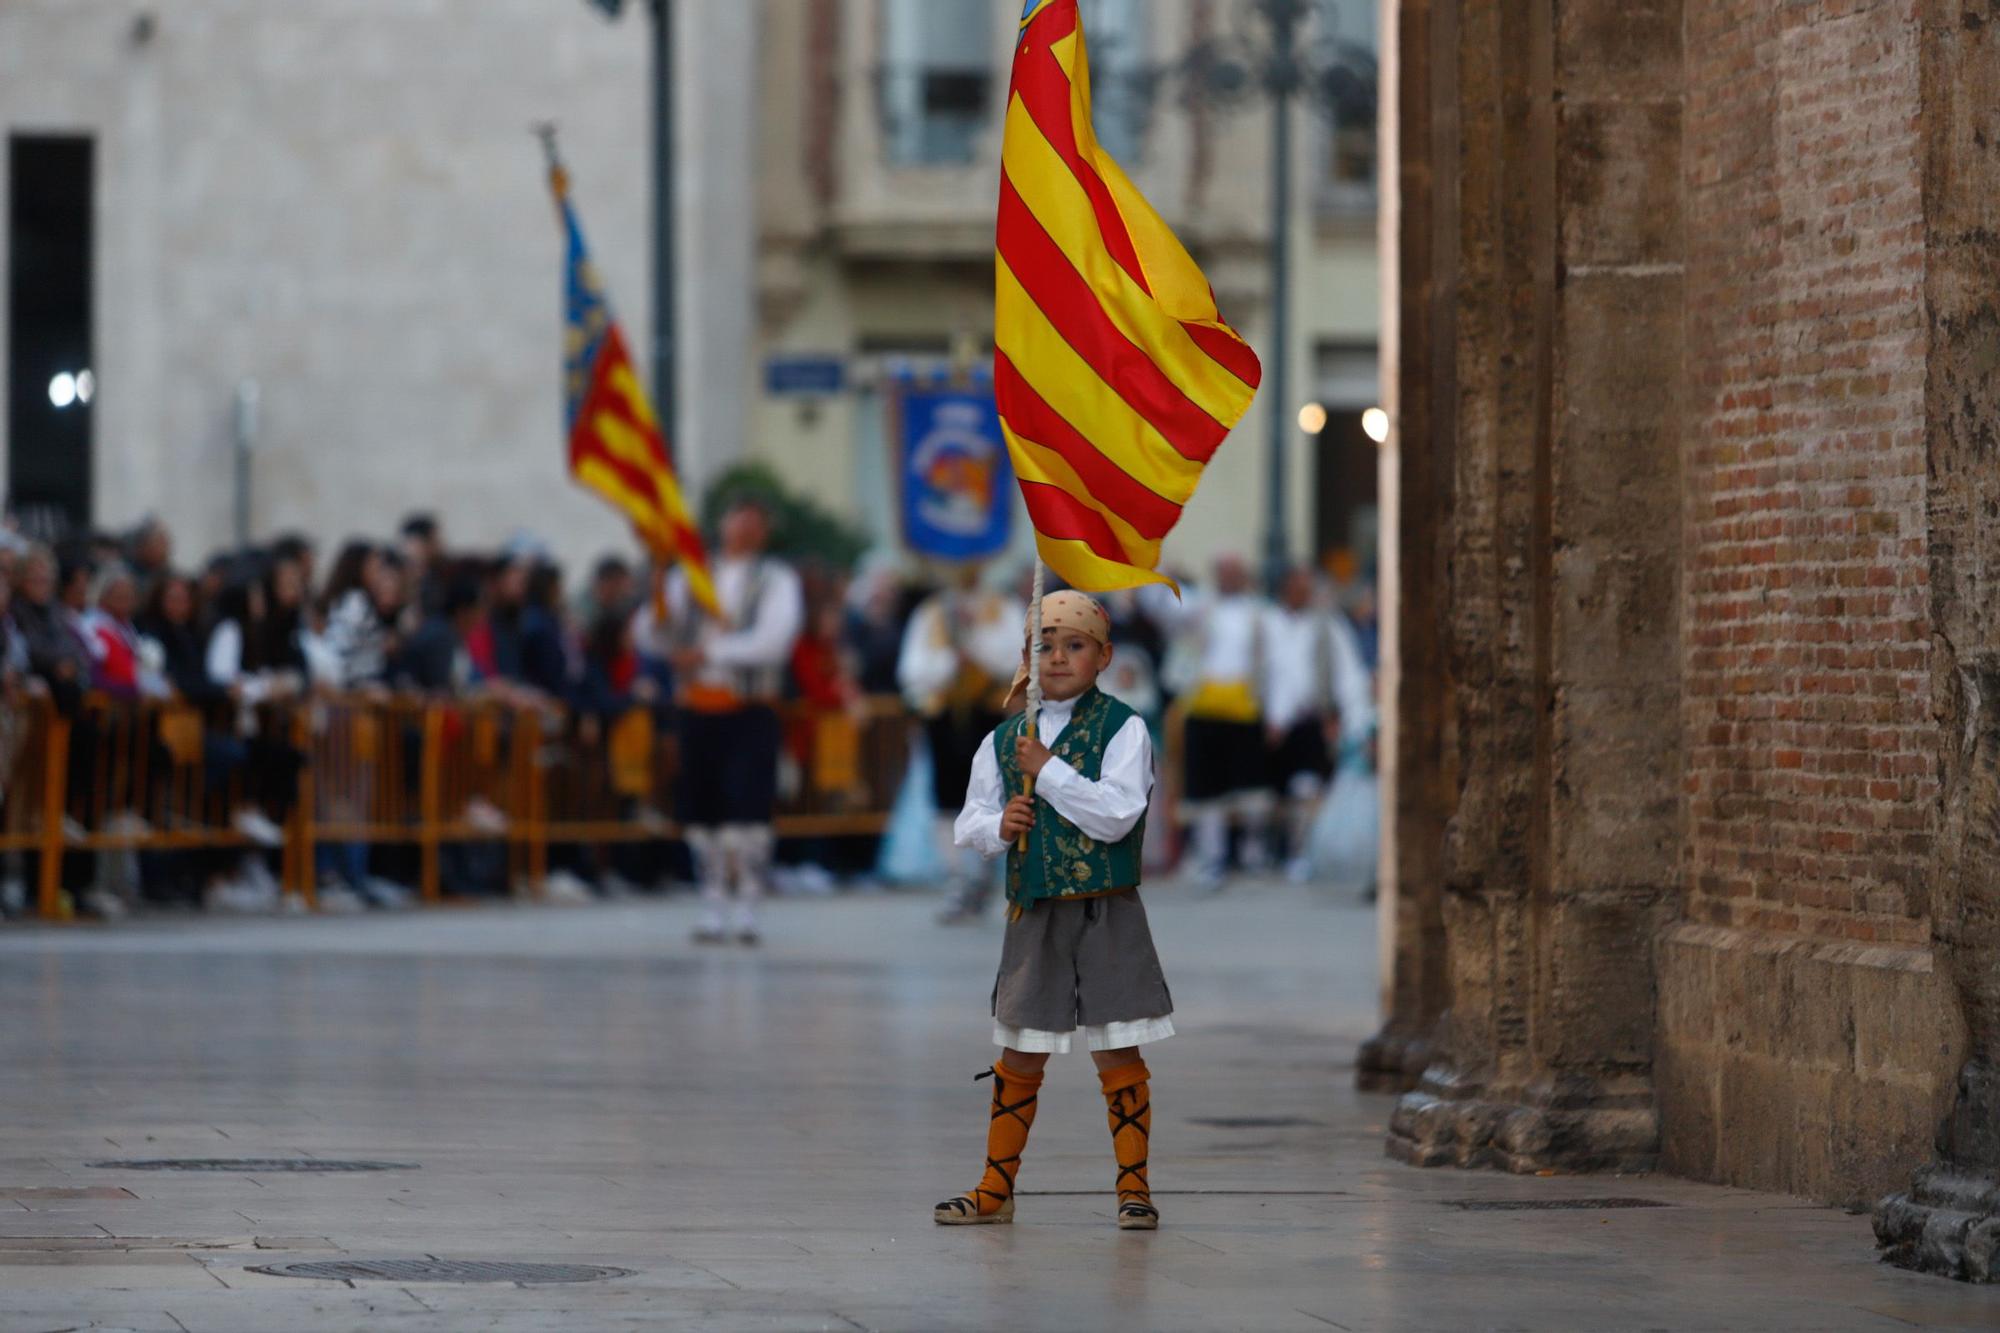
pixel 1080 962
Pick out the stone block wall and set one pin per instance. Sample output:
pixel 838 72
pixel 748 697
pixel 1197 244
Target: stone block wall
pixel 1561 845
pixel 1800 1065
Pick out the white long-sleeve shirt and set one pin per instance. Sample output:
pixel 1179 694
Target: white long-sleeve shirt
pixel 1223 638
pixel 1298 680
pixel 732 654
pixel 1105 809
pixel 986 629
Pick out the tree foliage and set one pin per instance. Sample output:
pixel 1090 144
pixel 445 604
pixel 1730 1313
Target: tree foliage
pixel 802 530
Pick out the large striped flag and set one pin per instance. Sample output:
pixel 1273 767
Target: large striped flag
pixel 615 444
pixel 1116 376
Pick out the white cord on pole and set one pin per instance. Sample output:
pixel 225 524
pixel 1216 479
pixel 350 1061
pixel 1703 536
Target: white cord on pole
pixel 1034 673
pixel 1035 651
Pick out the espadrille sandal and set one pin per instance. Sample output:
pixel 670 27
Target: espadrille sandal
pixel 1135 1216
pixel 963 1212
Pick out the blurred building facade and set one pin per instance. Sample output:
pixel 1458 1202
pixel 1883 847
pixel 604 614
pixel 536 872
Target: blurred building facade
pixel 321 229
pixel 879 153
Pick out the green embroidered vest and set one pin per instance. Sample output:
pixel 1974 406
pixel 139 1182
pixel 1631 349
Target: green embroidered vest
pixel 1063 861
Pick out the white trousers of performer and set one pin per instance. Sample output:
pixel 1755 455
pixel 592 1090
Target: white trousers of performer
pixel 1209 853
pixel 965 871
pixel 1302 798
pixel 734 856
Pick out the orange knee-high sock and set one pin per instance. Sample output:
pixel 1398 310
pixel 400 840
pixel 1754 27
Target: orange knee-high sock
pixel 1014 1097
pixel 1129 1104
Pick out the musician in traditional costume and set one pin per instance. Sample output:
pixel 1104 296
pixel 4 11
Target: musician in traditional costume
pixel 1225 641
pixel 959 652
pixel 730 675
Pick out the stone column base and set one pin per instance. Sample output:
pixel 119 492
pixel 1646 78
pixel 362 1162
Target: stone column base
pixel 1572 1123
pixel 1393 1060
pixel 1948 1223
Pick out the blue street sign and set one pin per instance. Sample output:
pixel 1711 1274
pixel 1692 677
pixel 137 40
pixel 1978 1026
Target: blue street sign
pixel 804 376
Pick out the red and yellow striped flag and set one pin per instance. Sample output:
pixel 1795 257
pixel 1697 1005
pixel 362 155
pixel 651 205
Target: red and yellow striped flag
pixel 616 447
pixel 1116 376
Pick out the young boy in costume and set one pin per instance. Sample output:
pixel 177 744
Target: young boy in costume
pixel 1077 951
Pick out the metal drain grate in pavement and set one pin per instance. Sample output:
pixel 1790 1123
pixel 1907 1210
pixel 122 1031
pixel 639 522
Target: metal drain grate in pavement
pixel 1548 1205
pixel 1250 1121
pixel 440 1270
pixel 248 1165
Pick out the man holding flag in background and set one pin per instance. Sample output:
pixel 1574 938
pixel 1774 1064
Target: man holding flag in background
pixel 731 671
pixel 1117 380
pixel 729 637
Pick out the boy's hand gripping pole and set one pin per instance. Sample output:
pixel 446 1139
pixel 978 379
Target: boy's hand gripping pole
pixel 1034 677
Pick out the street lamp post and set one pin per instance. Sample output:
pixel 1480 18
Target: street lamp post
pixel 663 219
pixel 663 349
pixel 1284 17
pixel 1334 77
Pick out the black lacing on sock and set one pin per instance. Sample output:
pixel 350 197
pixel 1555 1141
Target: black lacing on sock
pixel 1002 1107
pixel 1130 1119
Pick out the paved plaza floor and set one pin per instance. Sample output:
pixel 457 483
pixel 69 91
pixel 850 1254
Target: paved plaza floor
pixel 757 1138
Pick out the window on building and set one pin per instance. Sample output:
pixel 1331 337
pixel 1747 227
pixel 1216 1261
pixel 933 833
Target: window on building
pixel 937 79
pixel 51 385
pixel 1345 153
pixel 1120 95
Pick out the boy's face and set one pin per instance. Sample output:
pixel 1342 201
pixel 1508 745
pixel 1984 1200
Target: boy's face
pixel 1071 662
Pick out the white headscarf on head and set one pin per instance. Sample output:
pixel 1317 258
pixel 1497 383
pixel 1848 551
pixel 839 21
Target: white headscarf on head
pixel 1066 609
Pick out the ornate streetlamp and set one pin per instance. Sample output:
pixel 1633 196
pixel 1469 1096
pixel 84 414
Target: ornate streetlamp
pixel 1273 55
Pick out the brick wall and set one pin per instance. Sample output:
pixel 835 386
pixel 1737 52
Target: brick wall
pixel 1811 778
pixel 1807 1039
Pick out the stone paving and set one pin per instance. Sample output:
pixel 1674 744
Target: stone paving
pixel 758 1137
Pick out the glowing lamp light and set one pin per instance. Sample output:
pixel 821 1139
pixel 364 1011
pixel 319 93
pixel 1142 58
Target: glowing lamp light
pixel 1375 424
pixel 1312 418
pixel 86 386
pixel 62 390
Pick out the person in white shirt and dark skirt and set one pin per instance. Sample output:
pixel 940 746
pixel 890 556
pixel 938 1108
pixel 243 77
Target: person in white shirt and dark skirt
pixel 731 678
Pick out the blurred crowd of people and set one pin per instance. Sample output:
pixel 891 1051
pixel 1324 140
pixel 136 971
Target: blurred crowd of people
pixel 1277 692
pixel 1276 697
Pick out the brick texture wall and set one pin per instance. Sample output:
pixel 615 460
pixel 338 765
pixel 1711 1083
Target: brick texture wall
pixel 1811 778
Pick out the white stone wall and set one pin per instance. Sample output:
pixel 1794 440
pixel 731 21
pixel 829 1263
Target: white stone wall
pixel 341 199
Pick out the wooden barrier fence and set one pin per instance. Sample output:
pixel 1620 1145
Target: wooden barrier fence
pixel 333 771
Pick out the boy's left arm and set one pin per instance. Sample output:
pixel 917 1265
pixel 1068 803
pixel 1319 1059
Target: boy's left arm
pixel 1107 808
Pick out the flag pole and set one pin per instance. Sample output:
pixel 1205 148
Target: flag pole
pixel 545 130
pixel 1034 672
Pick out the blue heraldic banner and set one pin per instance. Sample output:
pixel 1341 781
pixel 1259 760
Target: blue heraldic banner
pixel 957 482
